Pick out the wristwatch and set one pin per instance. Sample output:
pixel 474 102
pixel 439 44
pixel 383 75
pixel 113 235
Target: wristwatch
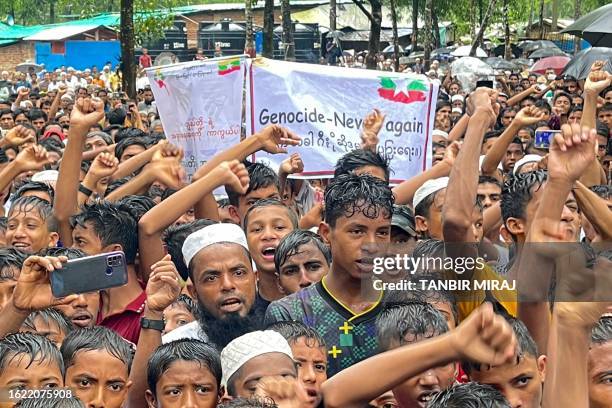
pixel 85 190
pixel 158 325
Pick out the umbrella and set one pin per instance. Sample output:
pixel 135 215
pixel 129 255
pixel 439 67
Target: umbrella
pixel 335 34
pixel 499 63
pixel 547 52
pixel 25 67
pixel 580 65
pixel 594 27
pixel 500 50
pixel 443 51
pixel 468 70
pixel 536 45
pixel 390 49
pixel 523 62
pixel 464 51
pixel 556 63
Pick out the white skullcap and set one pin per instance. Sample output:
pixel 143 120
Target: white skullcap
pixel 457 98
pixel 46 176
pixel 246 347
pixel 481 160
pixel 213 234
pixel 438 132
pixel 528 158
pixel 429 187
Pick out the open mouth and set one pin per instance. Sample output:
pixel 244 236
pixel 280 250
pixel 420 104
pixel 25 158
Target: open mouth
pixel 268 253
pixel 82 319
pixel 426 397
pixel 21 245
pixel 231 305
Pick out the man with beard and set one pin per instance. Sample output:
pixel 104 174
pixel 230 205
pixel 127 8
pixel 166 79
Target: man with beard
pixel 224 284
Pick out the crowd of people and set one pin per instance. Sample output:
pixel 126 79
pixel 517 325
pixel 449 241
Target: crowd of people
pixel 265 297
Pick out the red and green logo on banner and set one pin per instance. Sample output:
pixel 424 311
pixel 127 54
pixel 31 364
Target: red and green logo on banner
pixel 402 90
pixel 227 67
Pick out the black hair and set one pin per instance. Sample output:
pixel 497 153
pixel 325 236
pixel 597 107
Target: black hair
pixel 102 135
pixel 182 350
pixel 138 204
pixel 175 237
pixel 156 192
pixel 290 244
pixel 604 191
pixel 562 94
pixel 72 402
pixel 41 207
pixel 223 203
pixel 269 202
pixel 115 184
pixel 38 349
pixel 260 176
pixel 350 194
pixel 85 165
pixel 469 395
pixel 602 331
pixel 3 221
pixel 113 223
pixel 11 261
pixel 412 319
pixel 34 114
pixel 602 129
pixel 116 116
pixel 518 191
pixel 3 157
pixel 35 186
pixel 70 253
pixel 7 112
pixel 441 104
pixel 187 302
pixel 167 193
pixel 575 108
pixel 49 315
pixel 292 331
pixel 543 104
pixel 526 344
pixel 359 158
pixel 96 338
pixel 484 179
pixel 422 208
pixel 127 142
pixel 518 141
pixel 492 133
pixel 128 132
pixel 253 402
pixel 52 145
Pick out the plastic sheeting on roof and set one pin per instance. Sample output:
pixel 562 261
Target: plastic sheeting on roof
pixel 60 33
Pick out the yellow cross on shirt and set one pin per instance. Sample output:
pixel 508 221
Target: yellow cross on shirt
pixel 334 352
pixel 345 328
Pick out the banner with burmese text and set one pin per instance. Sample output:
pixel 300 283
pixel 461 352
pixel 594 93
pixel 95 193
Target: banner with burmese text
pixel 326 107
pixel 200 105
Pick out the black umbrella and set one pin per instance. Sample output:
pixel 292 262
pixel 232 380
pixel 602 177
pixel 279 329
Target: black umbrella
pixel 580 65
pixel 595 27
pixel 536 45
pixel 498 63
pixel 547 52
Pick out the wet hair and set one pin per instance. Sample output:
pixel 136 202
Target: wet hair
pixel 542 104
pixel 186 302
pixel 350 194
pixel 260 176
pixel 42 208
pixel 422 208
pixel 292 331
pixel 441 104
pixel 253 402
pixel 518 191
pixel 269 202
pixel 115 184
pixel 604 191
pixel 562 95
pixel 11 259
pixel 102 135
pixel 127 142
pixel 129 132
pixel 96 338
pixel 491 134
pixel 116 117
pixel 48 316
pixel 606 108
pixel 156 192
pixel 469 395
pixel 182 350
pixel 359 158
pixel 223 202
pixel 290 244
pixel 575 108
pixel 411 319
pixel 52 145
pixel 37 348
pixel 526 344
pixel 174 238
pixel 6 112
pixel 602 331
pixel 70 253
pixel 3 221
pixel 72 402
pixel 85 166
pixel 488 180
pixel 35 186
pixel 113 223
pixel 167 193
pixel 138 204
pixel 34 114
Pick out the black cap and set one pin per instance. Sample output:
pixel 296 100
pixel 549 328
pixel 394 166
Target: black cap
pixel 403 218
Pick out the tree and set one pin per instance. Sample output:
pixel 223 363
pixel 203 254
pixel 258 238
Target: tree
pixel 395 36
pixel 268 29
pixel 128 60
pixel 577 40
pixel 415 24
pixel 249 46
pixel 507 48
pixel 483 26
pixel 287 31
pixel 51 11
pixel 375 18
pixel 555 15
pixel 427 41
pixel 332 15
pixel 541 19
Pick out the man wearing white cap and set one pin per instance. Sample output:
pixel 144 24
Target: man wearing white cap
pixel 224 285
pixel 248 359
pixel 427 202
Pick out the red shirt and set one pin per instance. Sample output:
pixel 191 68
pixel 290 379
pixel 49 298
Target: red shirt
pixel 126 323
pixel 145 61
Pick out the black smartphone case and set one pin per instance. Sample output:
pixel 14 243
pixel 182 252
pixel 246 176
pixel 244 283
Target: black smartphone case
pixel 89 274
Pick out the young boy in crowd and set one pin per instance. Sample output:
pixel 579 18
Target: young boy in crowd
pixel 29 361
pixel 11 261
pixel 471 395
pixel 179 313
pixel 49 323
pixel 31 226
pixel 342 308
pixel 97 366
pixel 263 183
pixel 301 259
pixel 184 373
pixel 309 352
pixel 266 222
pixel 519 381
pixel 600 364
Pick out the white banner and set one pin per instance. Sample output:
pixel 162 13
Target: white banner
pixel 326 106
pixel 200 105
